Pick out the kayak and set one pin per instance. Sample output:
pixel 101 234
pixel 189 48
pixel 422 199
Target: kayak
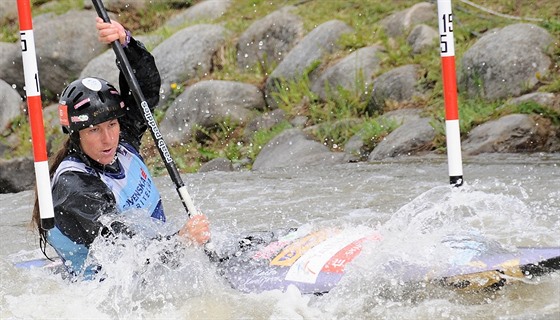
pixel 315 261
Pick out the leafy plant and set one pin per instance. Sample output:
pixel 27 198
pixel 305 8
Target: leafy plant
pixel 374 130
pixel 531 107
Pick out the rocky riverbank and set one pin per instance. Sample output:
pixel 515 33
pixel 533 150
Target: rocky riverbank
pixel 506 64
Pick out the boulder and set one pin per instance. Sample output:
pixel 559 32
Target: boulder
pixel 399 85
pixel 207 104
pixel 268 40
pixel 402 22
pixel 11 66
pixel 314 47
pixel 422 37
pixel 104 65
pixel 8 11
pixel 410 138
pixel 264 121
pixel 353 73
pixel 505 62
pixel 187 54
pixel 16 175
pixel 218 164
pixel 137 5
pixel 65 44
pixel 509 134
pixel 203 10
pixel 545 99
pixel 11 104
pixel 292 148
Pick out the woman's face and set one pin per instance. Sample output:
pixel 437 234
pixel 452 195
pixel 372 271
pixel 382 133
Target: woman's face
pixel 100 142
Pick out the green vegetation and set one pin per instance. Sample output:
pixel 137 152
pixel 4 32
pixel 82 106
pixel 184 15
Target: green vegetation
pixel 336 121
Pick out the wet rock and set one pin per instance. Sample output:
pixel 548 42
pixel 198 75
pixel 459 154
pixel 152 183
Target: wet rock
pixel 11 104
pixel 398 85
pixel 312 48
pixel 187 54
pixel 353 73
pixel 509 134
pixel 422 38
pixel 203 10
pixel 292 148
pixel 401 22
pixel 268 40
pixel 411 138
pixel 207 104
pixel 218 164
pixel 265 121
pixel 16 175
pixel 505 62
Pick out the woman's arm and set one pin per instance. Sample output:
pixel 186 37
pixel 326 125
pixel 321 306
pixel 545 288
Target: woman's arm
pixel 143 64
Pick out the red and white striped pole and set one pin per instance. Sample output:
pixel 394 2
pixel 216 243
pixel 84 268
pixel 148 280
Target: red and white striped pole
pixel 35 110
pixel 452 131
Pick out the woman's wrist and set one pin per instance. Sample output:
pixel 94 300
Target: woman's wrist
pixel 127 37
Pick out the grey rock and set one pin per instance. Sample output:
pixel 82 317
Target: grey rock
pixel 16 175
pixel 353 73
pixel 320 42
pixel 545 99
pixel 411 138
pixel 218 164
pixel 8 11
pixel 401 22
pixel 505 62
pixel 11 66
pixel 264 121
pixel 60 57
pixel 511 133
pixel 11 104
pixel 187 54
pixel 201 11
pixel 136 5
pixel 209 103
pixel 104 65
pixel 292 148
pixel 268 40
pixel 397 85
pixel 422 37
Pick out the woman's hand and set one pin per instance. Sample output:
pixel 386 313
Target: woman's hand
pixel 109 32
pixel 196 229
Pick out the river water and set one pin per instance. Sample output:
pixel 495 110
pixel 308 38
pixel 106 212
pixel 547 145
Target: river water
pixel 511 200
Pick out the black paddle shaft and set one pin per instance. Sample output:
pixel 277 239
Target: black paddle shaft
pixel 141 101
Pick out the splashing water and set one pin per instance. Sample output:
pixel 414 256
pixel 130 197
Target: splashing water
pixel 424 223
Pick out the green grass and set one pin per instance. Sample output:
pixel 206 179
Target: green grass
pixel 333 122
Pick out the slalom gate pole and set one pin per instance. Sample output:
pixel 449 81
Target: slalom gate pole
pixel 147 114
pixel 452 130
pixel 35 111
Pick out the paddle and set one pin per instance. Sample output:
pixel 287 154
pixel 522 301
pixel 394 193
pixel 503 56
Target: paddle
pixel 147 114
